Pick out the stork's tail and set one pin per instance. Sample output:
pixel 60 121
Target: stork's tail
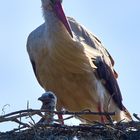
pixel 122 115
pixel 125 115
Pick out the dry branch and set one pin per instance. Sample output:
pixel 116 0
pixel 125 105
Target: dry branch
pixel 30 112
pixel 97 130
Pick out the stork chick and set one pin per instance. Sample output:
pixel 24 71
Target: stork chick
pixel 49 101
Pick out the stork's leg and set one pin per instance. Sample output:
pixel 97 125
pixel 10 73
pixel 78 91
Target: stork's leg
pixel 60 117
pixel 100 109
pixel 60 108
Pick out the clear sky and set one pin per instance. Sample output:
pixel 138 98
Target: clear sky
pixel 116 23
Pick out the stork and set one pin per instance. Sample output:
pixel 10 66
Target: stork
pixel 70 61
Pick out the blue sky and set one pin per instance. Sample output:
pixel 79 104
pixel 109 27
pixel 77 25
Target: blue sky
pixel 116 23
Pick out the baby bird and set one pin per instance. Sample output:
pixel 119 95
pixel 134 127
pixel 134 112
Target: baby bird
pixel 49 101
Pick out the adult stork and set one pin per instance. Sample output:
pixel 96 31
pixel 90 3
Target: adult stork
pixel 71 62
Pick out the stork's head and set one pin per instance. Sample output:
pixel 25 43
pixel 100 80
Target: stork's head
pixel 56 7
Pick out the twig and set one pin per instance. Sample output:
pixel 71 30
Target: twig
pixel 83 113
pixel 36 111
pixel 58 120
pixel 15 116
pixel 24 113
pixel 3 109
pixel 21 123
pixel 17 129
pixel 136 116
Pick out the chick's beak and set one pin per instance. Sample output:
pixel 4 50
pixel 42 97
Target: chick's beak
pixel 40 99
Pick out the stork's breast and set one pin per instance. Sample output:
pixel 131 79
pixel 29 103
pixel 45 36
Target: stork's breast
pixel 67 72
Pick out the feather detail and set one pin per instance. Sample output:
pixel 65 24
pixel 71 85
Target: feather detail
pixel 109 81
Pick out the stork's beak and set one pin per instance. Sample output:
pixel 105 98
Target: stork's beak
pixel 61 15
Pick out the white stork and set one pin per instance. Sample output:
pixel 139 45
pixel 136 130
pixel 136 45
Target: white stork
pixel 72 62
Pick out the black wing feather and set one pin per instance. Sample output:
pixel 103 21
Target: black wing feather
pixel 106 74
pixel 34 69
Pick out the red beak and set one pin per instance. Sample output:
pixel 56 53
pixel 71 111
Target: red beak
pixel 61 15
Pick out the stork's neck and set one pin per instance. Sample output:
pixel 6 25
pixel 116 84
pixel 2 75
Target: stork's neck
pixel 54 27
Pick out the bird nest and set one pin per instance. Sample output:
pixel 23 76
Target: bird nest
pixel 56 131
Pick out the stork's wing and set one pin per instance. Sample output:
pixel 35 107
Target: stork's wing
pixel 106 75
pixel 34 69
pixel 33 39
pixel 104 62
pixel 83 35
